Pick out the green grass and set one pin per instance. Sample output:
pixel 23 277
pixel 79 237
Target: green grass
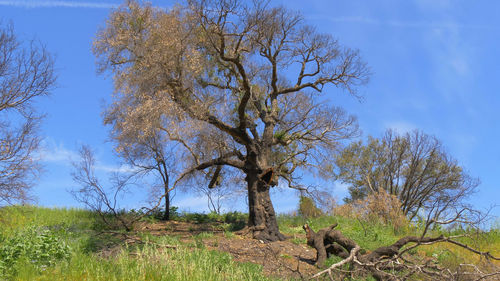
pixel 152 263
pixel 79 230
pixel 367 235
pixel 371 235
pixel 28 232
pixel 232 221
pixel 13 218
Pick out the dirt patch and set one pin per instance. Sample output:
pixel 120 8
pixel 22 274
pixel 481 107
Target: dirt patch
pixel 280 259
pixel 184 230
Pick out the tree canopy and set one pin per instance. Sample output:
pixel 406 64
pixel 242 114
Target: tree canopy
pixel 237 86
pixel 413 166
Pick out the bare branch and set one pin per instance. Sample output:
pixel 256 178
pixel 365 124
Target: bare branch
pixel 216 75
pixel 26 73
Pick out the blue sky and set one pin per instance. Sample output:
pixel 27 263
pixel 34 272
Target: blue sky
pixel 434 63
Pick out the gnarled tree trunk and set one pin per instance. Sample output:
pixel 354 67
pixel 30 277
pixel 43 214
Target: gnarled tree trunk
pixel 262 218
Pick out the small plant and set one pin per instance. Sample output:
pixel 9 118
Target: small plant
pixel 157 214
pixel 285 256
pixel 198 242
pixel 36 246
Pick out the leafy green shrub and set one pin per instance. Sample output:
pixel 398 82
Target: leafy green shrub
pixel 159 213
pixel 307 208
pixel 234 220
pixel 233 217
pixel 36 246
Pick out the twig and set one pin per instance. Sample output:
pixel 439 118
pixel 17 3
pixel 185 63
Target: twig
pixel 349 259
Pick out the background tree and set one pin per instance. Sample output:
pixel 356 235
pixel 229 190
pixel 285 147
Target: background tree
pixel 26 72
pixel 102 200
pixel 239 85
pixel 145 148
pixel 148 156
pixel 155 152
pixel 307 208
pixel 414 167
pixel 222 188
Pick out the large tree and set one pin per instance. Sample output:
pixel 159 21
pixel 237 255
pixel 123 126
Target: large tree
pixel 26 73
pixel 413 166
pixel 238 86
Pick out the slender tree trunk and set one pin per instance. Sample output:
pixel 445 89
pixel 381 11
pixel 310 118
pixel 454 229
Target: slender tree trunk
pixel 262 218
pixel 166 215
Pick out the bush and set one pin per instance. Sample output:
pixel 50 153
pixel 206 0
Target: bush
pixel 156 214
pixel 307 208
pixel 36 246
pixel 376 207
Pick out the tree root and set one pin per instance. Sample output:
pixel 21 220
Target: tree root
pixel 248 231
pixel 259 232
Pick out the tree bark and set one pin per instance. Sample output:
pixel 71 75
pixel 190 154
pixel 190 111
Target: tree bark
pixel 262 221
pixel 166 214
pixel 383 263
pixel 328 241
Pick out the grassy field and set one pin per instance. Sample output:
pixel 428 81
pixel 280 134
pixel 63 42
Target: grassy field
pixel 67 244
pixel 68 235
pixel 371 235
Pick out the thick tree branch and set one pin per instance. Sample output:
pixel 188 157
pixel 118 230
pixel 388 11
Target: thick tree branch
pixel 220 161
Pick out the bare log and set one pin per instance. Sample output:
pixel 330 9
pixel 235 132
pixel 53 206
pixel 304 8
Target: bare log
pixel 388 262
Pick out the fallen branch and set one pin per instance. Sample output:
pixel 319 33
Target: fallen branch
pixel 349 259
pixel 387 262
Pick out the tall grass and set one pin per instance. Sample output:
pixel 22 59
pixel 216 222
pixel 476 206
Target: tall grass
pixel 368 235
pixel 149 261
pixel 192 261
pixel 371 234
pixel 13 218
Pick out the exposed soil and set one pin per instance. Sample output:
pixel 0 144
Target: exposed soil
pixel 279 259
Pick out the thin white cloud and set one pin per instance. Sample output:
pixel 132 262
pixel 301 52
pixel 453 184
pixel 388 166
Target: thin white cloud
pixel 53 152
pixel 399 23
pixel 401 127
pixel 114 169
pixel 58 4
pixel 460 65
pixel 462 145
pixel 453 64
pixel 56 153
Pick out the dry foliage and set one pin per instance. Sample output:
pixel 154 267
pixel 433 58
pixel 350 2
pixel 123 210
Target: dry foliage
pixel 380 206
pixel 414 167
pixel 307 208
pixel 234 84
